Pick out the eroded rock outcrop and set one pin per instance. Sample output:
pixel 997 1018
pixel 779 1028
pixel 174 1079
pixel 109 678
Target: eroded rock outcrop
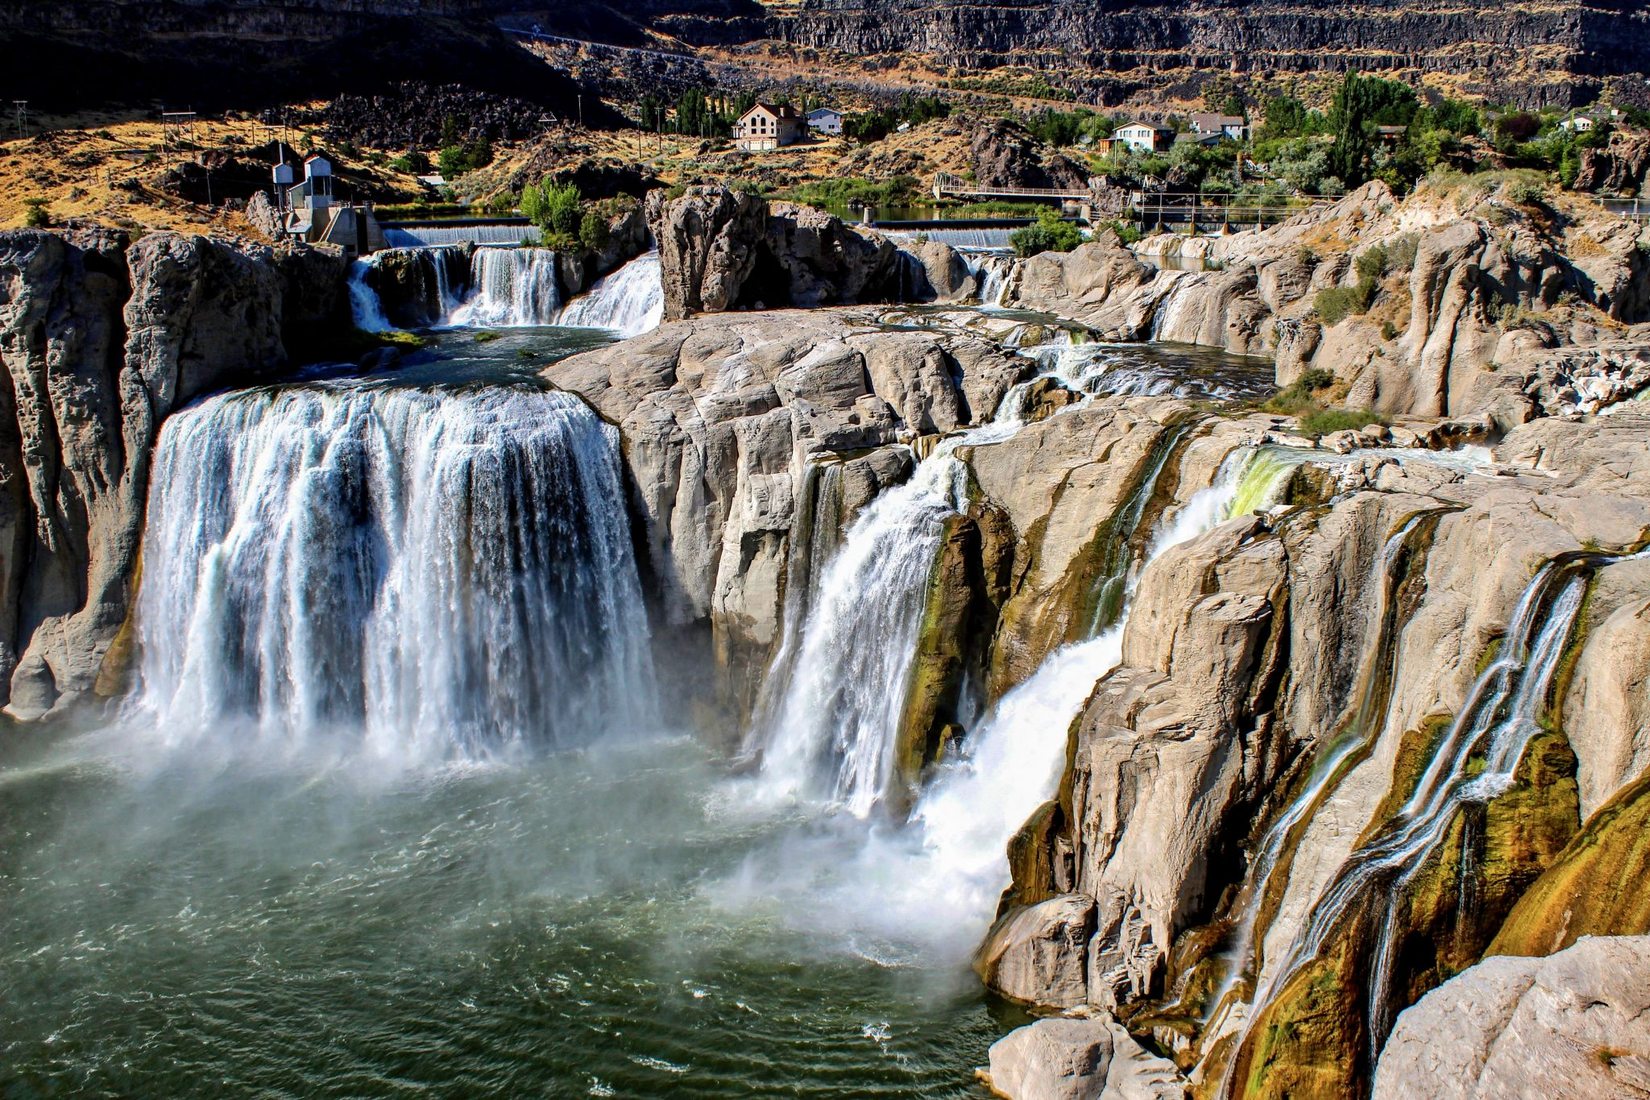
pixel 101 339
pixel 1573 1024
pixel 1350 629
pixel 721 250
pixel 1451 288
pixel 721 416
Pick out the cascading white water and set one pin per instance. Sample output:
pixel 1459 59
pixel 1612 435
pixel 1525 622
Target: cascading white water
pixel 1012 762
pixel 1328 771
pixel 1500 715
pixel 365 309
pixel 990 269
pixel 511 288
pixel 833 731
pixel 628 302
pixel 437 236
pixel 972 237
pixel 443 573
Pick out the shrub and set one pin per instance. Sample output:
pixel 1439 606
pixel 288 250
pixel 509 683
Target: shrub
pixel 1048 234
pixel 36 215
pixel 1321 422
pixel 1525 192
pixel 592 231
pixel 412 162
pixel 1372 264
pixel 1337 303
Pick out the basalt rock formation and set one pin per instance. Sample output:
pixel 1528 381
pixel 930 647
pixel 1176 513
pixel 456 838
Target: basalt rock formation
pixel 1537 56
pixel 101 339
pixel 1473 297
pixel 722 249
pixel 722 415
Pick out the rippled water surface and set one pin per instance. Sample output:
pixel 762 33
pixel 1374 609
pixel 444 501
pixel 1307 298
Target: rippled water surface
pixel 234 925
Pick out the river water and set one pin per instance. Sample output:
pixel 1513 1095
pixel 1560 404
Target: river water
pixel 393 808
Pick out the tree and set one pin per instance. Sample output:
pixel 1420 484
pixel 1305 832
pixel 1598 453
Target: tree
pixel 1050 233
pixel 1363 104
pixel 592 231
pixel 36 214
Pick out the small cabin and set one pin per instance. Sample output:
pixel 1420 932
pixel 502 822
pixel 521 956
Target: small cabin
pixel 768 126
pixel 1145 137
pixel 1578 125
pixel 825 120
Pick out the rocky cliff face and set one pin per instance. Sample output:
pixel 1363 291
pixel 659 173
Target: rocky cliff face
pixel 722 416
pixel 1476 304
pixel 1584 40
pixel 1286 682
pixel 101 339
pixel 721 249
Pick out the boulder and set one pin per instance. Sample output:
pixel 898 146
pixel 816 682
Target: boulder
pixel 1039 955
pixel 1572 1024
pixel 708 240
pixel 1091 1058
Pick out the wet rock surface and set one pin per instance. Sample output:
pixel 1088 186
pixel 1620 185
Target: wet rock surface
pixel 101 339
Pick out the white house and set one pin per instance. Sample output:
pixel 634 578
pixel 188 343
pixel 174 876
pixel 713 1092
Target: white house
pixel 767 126
pixel 1578 125
pixel 1145 137
pixel 825 120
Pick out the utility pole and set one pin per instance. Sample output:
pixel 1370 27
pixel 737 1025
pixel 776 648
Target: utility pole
pixel 22 108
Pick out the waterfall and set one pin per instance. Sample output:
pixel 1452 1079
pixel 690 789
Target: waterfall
pixel 440 573
pixel 435 236
pixel 1012 763
pixel 835 724
pixel 1494 725
pixel 972 237
pixel 511 288
pixel 365 309
pixel 990 269
pixel 629 301
pixel 1386 574
pixel 1265 476
pixel 814 539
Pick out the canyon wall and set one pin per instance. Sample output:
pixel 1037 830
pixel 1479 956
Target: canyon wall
pixel 101 338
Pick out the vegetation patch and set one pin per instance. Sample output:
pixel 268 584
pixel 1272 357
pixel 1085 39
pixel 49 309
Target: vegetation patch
pixel 1050 233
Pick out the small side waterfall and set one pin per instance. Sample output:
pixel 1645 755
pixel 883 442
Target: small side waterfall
pixel 1352 743
pixel 1013 760
pixel 444 573
pixel 991 270
pixel 1474 761
pixel 365 309
pixel 512 288
pixel 628 302
pixel 834 727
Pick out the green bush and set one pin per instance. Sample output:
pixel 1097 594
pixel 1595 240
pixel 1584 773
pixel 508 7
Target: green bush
pixel 592 231
pixel 1048 234
pixel 35 214
pixel 1321 422
pixel 1337 303
pixel 412 162
pixel 1371 265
